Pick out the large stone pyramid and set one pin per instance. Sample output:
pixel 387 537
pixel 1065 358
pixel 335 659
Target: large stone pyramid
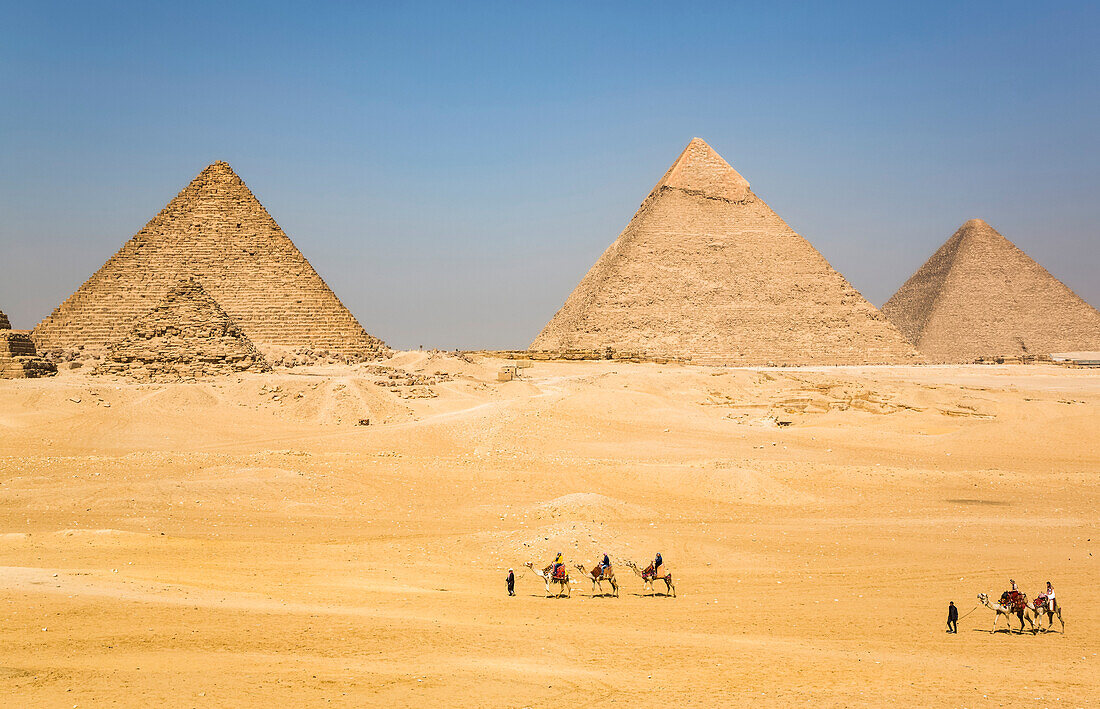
pixel 186 335
pixel 4 323
pixel 706 271
pixel 217 231
pixel 980 296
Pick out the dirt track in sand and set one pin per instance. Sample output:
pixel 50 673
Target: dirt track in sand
pixel 242 541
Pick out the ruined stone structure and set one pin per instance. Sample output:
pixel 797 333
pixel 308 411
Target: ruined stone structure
pixel 707 272
pixel 18 357
pixel 218 232
pixel 979 296
pixel 187 335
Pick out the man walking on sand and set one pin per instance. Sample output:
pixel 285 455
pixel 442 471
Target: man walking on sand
pixel 511 583
pixel 952 618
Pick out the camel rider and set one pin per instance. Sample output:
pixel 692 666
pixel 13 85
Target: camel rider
pixel 1050 597
pixel 559 562
pixel 605 564
pixel 1013 582
pixel 657 561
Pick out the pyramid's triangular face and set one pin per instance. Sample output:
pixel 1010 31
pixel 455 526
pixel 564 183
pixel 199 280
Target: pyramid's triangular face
pixel 186 334
pixel 217 231
pixel 706 271
pixel 981 296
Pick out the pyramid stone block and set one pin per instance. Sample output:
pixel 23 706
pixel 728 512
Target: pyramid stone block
pixel 187 335
pixel 707 272
pixel 217 231
pixel 980 296
pixel 18 357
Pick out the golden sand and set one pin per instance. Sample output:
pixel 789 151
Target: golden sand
pixel 242 541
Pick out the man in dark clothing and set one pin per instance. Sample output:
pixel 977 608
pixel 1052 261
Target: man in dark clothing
pixel 511 583
pixel 952 618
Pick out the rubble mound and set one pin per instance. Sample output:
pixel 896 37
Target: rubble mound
pixel 188 335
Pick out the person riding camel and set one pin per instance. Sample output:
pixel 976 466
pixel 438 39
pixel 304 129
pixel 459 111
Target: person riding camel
pixel 559 564
pixel 1050 597
pixel 605 564
pixel 1013 582
pixel 657 561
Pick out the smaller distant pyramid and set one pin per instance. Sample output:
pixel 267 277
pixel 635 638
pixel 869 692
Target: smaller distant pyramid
pixel 215 230
pixel 18 357
pixel 981 296
pixel 187 335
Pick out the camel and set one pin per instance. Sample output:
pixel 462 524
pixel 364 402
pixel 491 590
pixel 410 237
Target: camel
pixel 597 577
pixel 649 576
pixel 1008 611
pixel 547 577
pixel 1042 606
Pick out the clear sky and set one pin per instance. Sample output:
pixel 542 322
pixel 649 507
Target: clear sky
pixel 453 169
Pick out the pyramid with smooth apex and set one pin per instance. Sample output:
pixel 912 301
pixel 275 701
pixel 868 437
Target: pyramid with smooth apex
pixel 981 296
pixel 217 231
pixel 186 335
pixel 707 272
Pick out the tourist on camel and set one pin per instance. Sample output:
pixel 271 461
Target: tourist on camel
pixel 559 565
pixel 606 563
pixel 657 561
pixel 1050 596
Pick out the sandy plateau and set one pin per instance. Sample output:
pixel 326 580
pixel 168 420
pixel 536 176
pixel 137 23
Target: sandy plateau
pixel 243 541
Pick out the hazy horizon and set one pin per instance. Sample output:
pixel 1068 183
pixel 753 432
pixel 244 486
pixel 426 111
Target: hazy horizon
pixel 452 173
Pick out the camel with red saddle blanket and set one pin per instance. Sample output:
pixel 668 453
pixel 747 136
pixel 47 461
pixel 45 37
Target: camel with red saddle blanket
pixel 1011 603
pixel 597 576
pixel 548 576
pixel 1049 607
pixel 649 575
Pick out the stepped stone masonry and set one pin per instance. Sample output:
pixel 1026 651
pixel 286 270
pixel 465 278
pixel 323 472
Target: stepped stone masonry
pixel 18 357
pixel 706 272
pixel 186 335
pixel 218 232
pixel 981 297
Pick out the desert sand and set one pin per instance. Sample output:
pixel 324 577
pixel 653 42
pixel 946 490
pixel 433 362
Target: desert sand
pixel 242 541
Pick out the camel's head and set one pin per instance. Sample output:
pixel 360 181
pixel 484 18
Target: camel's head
pixel 983 598
pixel 529 564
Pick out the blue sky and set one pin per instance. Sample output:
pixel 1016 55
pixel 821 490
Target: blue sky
pixel 453 169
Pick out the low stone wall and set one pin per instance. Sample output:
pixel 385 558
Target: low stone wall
pixel 577 355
